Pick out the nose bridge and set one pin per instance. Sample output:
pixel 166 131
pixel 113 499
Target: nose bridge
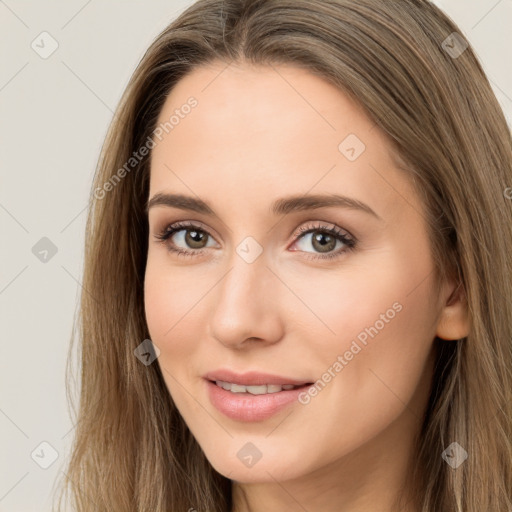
pixel 246 298
pixel 248 262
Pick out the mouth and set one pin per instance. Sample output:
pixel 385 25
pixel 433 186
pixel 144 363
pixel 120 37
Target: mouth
pixel 253 402
pixel 262 389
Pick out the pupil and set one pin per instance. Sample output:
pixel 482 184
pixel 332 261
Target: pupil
pixel 327 244
pixel 194 237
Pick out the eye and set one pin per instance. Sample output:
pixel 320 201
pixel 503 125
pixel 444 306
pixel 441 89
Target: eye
pixel 324 239
pixel 188 234
pixel 321 237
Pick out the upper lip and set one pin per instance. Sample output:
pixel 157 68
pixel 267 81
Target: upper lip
pixel 252 378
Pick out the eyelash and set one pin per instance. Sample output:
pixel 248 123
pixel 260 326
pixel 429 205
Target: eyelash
pixel 349 242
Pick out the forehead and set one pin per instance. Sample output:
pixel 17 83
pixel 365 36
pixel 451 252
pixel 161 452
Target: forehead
pixel 259 131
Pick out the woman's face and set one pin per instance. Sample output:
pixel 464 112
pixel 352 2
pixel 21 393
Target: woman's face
pixel 281 276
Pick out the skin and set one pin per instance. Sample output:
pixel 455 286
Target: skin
pixel 256 135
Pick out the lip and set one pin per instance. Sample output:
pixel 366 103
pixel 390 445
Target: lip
pixel 252 378
pixel 245 406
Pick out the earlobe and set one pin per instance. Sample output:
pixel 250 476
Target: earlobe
pixel 454 319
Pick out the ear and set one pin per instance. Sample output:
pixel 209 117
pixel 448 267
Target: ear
pixel 453 322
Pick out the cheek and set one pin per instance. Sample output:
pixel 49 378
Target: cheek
pixel 171 300
pixel 171 317
pixel 343 302
pixel 384 332
pixel 379 318
pixel 177 301
pixel 172 294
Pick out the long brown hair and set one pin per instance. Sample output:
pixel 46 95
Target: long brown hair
pixel 132 450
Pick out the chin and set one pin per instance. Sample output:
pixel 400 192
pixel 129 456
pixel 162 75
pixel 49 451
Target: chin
pixel 262 471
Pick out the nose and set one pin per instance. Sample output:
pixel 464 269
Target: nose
pixel 247 308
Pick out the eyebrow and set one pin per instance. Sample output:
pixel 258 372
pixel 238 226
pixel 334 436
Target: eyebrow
pixel 281 206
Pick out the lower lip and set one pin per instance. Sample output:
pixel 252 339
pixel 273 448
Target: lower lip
pixel 247 407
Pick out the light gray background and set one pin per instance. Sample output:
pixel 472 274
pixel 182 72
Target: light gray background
pixel 54 114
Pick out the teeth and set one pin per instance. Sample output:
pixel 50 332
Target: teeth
pixel 254 390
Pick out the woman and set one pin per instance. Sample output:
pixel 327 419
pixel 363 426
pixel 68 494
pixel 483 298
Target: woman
pixel 297 289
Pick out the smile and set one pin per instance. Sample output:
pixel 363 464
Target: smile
pixel 255 390
pixel 251 403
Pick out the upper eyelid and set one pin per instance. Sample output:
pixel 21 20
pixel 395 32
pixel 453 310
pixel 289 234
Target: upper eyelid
pixel 180 225
pixel 299 232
